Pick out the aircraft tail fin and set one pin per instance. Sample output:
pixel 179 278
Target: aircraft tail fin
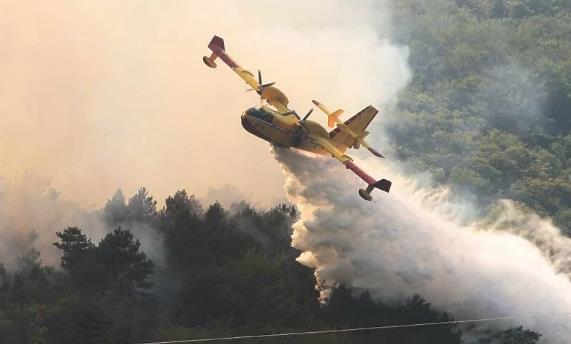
pixel 382 184
pixel 372 183
pixel 217 46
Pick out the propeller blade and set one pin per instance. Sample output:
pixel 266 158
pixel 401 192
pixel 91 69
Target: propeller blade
pixel 261 85
pixel 307 115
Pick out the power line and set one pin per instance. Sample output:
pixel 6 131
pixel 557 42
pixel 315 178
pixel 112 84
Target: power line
pixel 358 329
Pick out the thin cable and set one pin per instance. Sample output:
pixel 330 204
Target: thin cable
pixel 356 329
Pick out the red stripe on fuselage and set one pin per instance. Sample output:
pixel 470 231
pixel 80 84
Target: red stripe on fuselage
pixel 223 56
pixel 359 172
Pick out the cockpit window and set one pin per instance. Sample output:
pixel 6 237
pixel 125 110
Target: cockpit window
pixel 261 113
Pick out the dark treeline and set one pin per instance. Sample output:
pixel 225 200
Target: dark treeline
pixel 224 272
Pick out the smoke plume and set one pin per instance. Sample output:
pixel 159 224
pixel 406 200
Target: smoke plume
pixel 101 95
pixel 98 95
pixel 31 211
pixel 419 240
pixel 407 243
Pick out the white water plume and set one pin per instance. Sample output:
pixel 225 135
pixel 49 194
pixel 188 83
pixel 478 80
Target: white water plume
pixel 413 242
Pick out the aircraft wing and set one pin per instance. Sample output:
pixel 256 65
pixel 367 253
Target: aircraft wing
pixel 357 124
pixel 271 94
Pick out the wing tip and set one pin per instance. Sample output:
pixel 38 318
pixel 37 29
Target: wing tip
pixel 375 152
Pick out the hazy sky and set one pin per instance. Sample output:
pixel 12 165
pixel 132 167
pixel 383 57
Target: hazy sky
pixel 97 95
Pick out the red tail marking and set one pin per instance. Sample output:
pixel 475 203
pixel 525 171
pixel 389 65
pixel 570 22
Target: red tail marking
pixel 359 172
pixel 217 46
pixel 216 43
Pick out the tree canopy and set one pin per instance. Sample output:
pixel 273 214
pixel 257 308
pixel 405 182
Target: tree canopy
pixel 488 110
pixel 227 272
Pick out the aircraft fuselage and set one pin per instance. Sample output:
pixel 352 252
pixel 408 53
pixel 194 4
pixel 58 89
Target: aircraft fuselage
pixel 281 126
pixel 283 130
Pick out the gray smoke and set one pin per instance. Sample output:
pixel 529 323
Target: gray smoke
pixel 31 211
pixel 226 195
pixel 416 241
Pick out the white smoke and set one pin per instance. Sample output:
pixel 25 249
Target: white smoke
pixel 410 242
pixel 419 240
pixel 508 216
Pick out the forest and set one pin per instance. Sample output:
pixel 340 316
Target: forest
pixel 487 112
pixel 489 108
pixel 225 272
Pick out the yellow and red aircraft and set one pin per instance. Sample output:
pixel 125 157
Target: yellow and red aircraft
pixel 274 122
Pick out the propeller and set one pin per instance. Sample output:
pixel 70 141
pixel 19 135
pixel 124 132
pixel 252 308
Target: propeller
pixel 293 112
pixel 300 120
pixel 307 115
pixel 261 85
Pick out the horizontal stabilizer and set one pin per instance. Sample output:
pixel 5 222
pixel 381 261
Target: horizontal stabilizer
pixel 384 185
pixel 218 51
pixel 210 61
pixel 217 46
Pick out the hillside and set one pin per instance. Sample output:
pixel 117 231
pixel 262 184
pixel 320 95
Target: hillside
pixel 489 107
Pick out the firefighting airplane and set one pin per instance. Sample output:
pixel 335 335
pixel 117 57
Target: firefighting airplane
pixel 274 122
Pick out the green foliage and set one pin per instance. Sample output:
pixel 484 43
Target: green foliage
pixel 75 320
pixel 115 210
pixel 74 245
pixel 128 268
pixel 347 310
pixel 489 107
pixel 100 319
pixel 227 272
pixel 516 335
pixel 116 263
pixel 142 206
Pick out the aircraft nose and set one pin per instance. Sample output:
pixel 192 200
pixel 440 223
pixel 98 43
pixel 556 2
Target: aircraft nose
pixel 245 118
pixel 247 122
